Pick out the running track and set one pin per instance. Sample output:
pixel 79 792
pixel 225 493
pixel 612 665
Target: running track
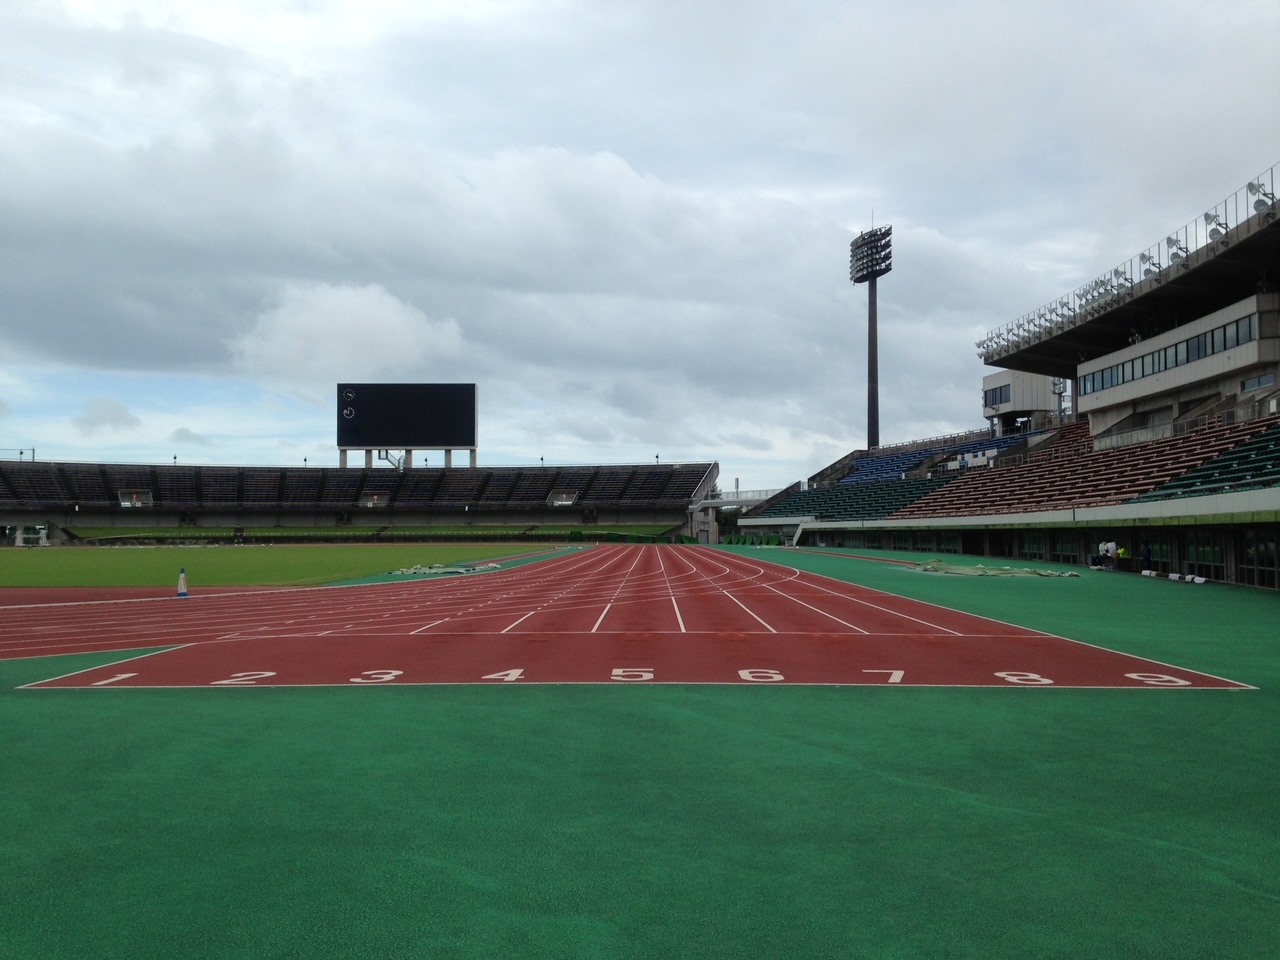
pixel 608 614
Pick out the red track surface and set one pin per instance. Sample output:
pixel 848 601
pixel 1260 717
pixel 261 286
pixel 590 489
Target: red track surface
pixel 612 614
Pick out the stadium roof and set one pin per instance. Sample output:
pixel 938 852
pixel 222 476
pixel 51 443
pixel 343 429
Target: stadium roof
pixel 1231 253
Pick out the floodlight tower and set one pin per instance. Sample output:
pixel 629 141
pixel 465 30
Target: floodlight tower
pixel 871 256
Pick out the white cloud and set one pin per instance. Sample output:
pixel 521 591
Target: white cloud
pixel 319 334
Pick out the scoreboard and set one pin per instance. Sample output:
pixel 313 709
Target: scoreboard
pixel 407 416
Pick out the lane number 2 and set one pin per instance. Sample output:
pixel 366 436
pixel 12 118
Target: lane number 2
pixel 244 679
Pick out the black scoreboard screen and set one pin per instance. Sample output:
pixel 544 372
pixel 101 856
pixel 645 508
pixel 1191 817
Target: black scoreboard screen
pixel 407 416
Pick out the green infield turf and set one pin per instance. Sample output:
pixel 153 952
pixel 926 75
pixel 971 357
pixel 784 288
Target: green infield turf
pixel 669 821
pixel 230 565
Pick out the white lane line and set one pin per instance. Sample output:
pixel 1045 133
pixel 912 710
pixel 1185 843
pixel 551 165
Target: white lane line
pixel 679 618
pixel 603 614
pixel 891 612
pixel 427 627
pixel 752 612
pixel 830 616
pixel 520 621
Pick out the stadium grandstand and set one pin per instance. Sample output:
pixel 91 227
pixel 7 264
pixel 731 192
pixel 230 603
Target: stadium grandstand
pixel 51 501
pixel 1142 408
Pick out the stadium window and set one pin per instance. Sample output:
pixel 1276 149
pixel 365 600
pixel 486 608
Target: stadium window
pixel 1219 340
pixel 1108 378
pixel 1247 327
pixel 1258 382
pixel 1180 355
pixel 1128 370
pixel 1229 334
pixel 998 395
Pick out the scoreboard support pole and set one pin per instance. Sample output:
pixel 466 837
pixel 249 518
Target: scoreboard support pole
pixel 408 458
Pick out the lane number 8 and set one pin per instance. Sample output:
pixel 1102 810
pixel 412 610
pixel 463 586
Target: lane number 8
pixel 1031 679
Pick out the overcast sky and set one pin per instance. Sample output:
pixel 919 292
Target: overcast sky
pixel 628 223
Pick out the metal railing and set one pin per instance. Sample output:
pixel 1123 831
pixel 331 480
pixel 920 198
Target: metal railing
pixel 1238 414
pixel 1200 240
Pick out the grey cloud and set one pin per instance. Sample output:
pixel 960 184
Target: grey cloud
pixel 104 413
pixel 187 436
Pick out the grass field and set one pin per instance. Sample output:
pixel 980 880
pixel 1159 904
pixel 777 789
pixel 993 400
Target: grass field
pixel 675 821
pixel 284 565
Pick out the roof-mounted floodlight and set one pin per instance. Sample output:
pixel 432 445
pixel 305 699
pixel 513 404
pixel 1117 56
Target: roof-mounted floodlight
pixel 1217 226
pixel 1177 249
pixel 1098 296
pixel 1266 199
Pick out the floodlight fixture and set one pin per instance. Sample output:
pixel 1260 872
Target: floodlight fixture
pixel 1266 199
pixel 871 254
pixel 1217 226
pixel 871 257
pixel 1177 249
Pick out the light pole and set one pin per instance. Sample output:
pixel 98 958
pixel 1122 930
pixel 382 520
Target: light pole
pixel 870 257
